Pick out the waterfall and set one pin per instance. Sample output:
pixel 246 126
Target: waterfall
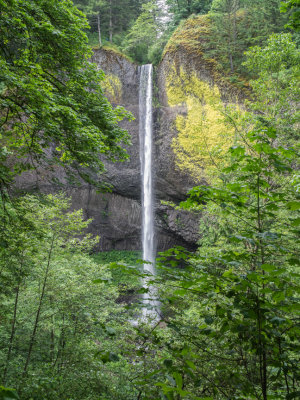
pixel 151 304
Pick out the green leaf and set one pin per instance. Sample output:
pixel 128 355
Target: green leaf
pixel 108 357
pixel 178 379
pixel 293 395
pixel 101 280
pixel 228 274
pixel 294 261
pixel 268 267
pixel 7 393
pixel 278 320
pixel 295 222
pixel 203 398
pixel 190 364
pixel 110 331
pixel 168 363
pixel 293 205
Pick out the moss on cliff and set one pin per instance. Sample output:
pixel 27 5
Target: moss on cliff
pixel 192 40
pixel 199 91
pixel 189 35
pixel 112 87
pixel 113 50
pixel 203 134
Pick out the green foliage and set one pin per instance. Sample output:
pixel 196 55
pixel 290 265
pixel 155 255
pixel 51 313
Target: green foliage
pixel 113 17
pixel 182 9
pixel 6 394
pixel 294 7
pixel 118 260
pixel 51 94
pixel 143 34
pixel 276 88
pixel 232 309
pixel 238 24
pixel 247 284
pixel 56 324
pixel 156 50
pixel 125 256
pixel 226 32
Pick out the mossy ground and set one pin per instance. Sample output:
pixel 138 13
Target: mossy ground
pixel 127 256
pixel 111 48
pixel 189 35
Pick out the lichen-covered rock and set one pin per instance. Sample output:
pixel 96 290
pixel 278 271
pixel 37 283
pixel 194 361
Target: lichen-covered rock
pixel 203 136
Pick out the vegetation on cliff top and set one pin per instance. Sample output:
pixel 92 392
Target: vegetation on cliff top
pixel 190 36
pixel 141 28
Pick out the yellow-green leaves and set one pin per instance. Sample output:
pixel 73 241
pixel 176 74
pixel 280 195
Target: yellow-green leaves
pixel 203 133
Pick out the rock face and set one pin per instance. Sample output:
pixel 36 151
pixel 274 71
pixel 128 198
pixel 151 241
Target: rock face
pixel 191 132
pixel 117 216
pixel 189 93
pixel 124 77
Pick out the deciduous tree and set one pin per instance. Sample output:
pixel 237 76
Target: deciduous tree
pixel 51 94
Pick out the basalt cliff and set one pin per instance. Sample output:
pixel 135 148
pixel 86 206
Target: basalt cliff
pixel 190 100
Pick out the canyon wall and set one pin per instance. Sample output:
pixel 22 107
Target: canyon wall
pixel 173 227
pixel 190 133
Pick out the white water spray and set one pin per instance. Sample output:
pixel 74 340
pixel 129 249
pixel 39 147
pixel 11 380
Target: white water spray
pixel 151 304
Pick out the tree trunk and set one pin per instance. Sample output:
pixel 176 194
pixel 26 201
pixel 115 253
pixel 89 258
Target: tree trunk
pixel 37 317
pixel 110 22
pixel 231 62
pixel 62 345
pixel 12 334
pixel 234 30
pixel 60 341
pixel 189 7
pixel 99 28
pixel 52 334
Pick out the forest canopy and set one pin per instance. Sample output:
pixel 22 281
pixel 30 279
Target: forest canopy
pixel 141 28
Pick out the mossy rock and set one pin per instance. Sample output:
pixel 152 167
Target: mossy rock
pixel 112 87
pixel 203 134
pixel 191 41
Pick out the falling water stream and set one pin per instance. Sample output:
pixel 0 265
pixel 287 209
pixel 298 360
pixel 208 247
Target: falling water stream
pixel 150 301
